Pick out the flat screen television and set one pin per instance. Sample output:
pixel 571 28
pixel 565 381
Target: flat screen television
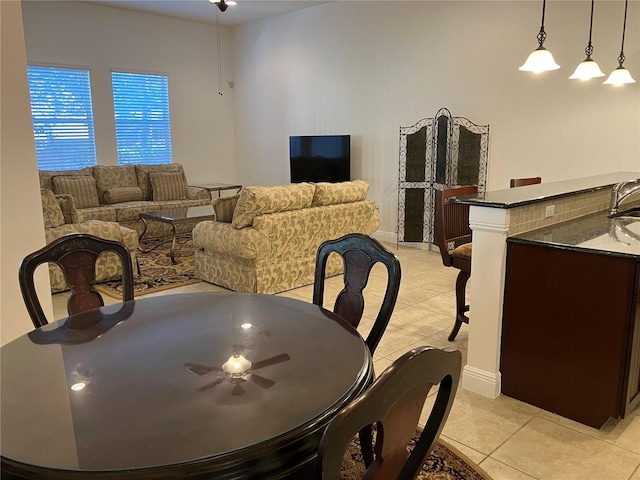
pixel 320 158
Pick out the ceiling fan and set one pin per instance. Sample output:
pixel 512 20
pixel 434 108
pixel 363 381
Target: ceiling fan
pixel 237 370
pixel 223 4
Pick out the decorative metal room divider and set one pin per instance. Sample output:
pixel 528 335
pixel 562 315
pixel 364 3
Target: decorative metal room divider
pixel 437 153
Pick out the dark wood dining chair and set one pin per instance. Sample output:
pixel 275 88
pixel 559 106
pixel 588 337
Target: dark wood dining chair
pixel 394 403
pixel 452 235
pixel 76 254
pixel 359 253
pixel 521 182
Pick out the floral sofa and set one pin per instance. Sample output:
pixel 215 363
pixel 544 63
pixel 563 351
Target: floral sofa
pixel 58 212
pixel 265 239
pixel 119 193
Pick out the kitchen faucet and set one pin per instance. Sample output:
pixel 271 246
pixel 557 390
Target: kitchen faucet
pixel 621 191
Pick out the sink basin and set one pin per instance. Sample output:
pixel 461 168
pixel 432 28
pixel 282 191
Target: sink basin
pixel 631 212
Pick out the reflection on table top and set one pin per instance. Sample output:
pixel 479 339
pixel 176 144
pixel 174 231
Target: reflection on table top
pixel 152 387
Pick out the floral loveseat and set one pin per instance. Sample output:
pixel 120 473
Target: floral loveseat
pixel 119 193
pixel 58 213
pixel 265 239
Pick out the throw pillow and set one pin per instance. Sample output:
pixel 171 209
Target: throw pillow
pixel 109 177
pixel 122 194
pixel 342 192
pixel 46 176
pixel 51 211
pixel 224 207
pixel 256 201
pixel 168 186
pixel 82 189
pixel 143 171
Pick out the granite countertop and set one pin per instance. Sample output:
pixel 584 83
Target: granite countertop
pixel 516 197
pixel 595 233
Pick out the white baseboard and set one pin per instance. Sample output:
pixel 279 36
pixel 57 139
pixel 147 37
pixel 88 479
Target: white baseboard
pixel 482 382
pixel 385 237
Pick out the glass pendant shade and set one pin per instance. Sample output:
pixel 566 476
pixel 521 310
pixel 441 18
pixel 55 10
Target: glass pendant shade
pixel 540 60
pixel 619 77
pixel 587 70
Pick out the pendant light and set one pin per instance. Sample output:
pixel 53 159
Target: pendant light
pixel 222 7
pixel 540 60
pixel 621 75
pixel 588 69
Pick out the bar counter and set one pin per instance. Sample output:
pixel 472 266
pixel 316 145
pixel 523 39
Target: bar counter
pixel 595 233
pixel 571 318
pixel 520 196
pixel 546 208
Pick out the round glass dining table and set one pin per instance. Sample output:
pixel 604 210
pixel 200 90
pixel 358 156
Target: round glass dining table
pixel 204 385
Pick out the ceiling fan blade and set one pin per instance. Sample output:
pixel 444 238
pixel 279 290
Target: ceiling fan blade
pixel 199 369
pixel 261 381
pixel 211 384
pixel 237 390
pixel 283 357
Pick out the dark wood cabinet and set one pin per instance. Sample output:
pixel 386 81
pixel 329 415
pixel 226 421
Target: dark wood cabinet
pixel 571 331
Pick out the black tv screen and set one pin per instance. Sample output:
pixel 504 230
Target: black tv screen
pixel 320 158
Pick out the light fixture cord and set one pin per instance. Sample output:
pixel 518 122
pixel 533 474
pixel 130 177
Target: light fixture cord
pixel 542 34
pixel 589 49
pixel 624 27
pixel 219 52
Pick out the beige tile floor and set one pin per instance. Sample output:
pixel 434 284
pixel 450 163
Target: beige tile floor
pixel 510 439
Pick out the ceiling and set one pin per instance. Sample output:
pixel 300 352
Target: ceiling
pixel 202 11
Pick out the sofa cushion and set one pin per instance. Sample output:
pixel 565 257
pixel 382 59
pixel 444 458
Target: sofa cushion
pixel 168 186
pixel 122 194
pixel 256 201
pixel 51 211
pixel 342 192
pixel 223 208
pixel 142 172
pixel 82 189
pixel 46 176
pixel 103 213
pixel 113 176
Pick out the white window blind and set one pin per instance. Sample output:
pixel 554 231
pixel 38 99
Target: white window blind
pixel 62 117
pixel 143 127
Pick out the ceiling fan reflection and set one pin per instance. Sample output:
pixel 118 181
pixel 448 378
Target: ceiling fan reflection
pixel 237 370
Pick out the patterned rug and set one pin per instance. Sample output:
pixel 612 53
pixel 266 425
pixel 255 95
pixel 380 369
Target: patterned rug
pixel 445 463
pixel 156 270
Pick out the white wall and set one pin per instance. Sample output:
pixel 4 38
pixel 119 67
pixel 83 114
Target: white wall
pixel 364 68
pixel 105 39
pixel 367 68
pixel 21 224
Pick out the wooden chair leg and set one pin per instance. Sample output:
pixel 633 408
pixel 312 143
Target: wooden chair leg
pixel 461 306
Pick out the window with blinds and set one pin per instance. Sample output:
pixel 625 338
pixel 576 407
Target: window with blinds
pixel 143 127
pixel 62 117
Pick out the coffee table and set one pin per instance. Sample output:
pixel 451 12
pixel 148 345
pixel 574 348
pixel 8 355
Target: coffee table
pixel 218 187
pixel 149 389
pixel 174 217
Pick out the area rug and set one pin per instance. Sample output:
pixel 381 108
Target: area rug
pixel 444 463
pixel 156 270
